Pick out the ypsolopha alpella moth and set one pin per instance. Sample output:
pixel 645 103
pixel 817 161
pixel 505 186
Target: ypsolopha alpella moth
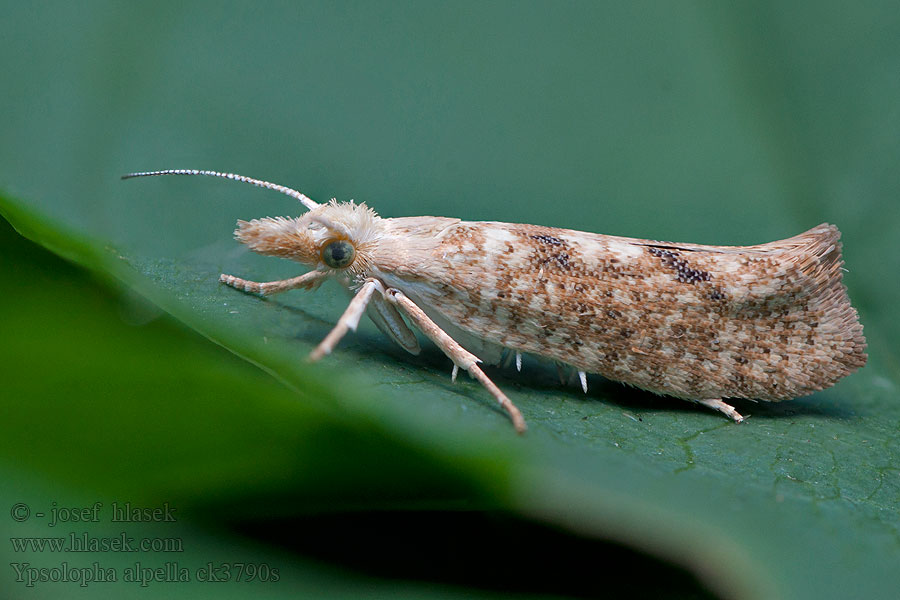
pixel 702 323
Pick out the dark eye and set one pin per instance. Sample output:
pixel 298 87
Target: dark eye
pixel 338 254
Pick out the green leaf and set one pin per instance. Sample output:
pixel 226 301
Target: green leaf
pixel 106 401
pixel 706 123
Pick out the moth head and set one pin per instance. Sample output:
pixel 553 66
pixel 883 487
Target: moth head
pixel 334 236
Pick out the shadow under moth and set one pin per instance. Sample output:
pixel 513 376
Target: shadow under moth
pixel 702 323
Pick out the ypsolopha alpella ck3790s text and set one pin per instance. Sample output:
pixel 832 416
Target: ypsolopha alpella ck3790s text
pixel 702 323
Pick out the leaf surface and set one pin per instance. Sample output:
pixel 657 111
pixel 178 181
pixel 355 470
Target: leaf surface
pixel 702 123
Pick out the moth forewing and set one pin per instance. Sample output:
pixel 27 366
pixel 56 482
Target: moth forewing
pixel 702 323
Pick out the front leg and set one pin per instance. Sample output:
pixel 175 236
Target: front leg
pixel 459 355
pixel 267 288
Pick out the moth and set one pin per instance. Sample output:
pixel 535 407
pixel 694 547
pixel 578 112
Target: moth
pixel 702 323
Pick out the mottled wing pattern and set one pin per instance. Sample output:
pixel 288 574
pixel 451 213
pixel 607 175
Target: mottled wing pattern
pixel 768 322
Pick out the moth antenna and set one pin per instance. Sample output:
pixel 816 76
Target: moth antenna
pixel 305 200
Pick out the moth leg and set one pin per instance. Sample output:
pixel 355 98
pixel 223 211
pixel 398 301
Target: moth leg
pixel 349 320
pixel 722 407
pixel 459 355
pixel 266 288
pixel 389 321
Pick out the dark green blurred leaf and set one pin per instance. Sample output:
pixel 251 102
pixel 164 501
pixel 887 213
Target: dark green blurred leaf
pixel 106 401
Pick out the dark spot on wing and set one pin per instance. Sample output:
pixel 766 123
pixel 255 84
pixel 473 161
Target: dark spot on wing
pixel 547 239
pixel 673 260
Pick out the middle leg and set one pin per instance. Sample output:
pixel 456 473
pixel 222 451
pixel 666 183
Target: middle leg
pixel 459 355
pixel 349 320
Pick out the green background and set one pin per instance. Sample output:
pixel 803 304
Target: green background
pixel 370 473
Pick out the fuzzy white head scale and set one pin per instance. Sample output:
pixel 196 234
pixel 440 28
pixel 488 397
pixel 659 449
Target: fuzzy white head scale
pixel 356 223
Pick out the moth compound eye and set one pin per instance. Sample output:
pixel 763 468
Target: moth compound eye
pixel 338 254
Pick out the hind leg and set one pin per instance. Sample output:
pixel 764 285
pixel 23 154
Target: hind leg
pixel 727 409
